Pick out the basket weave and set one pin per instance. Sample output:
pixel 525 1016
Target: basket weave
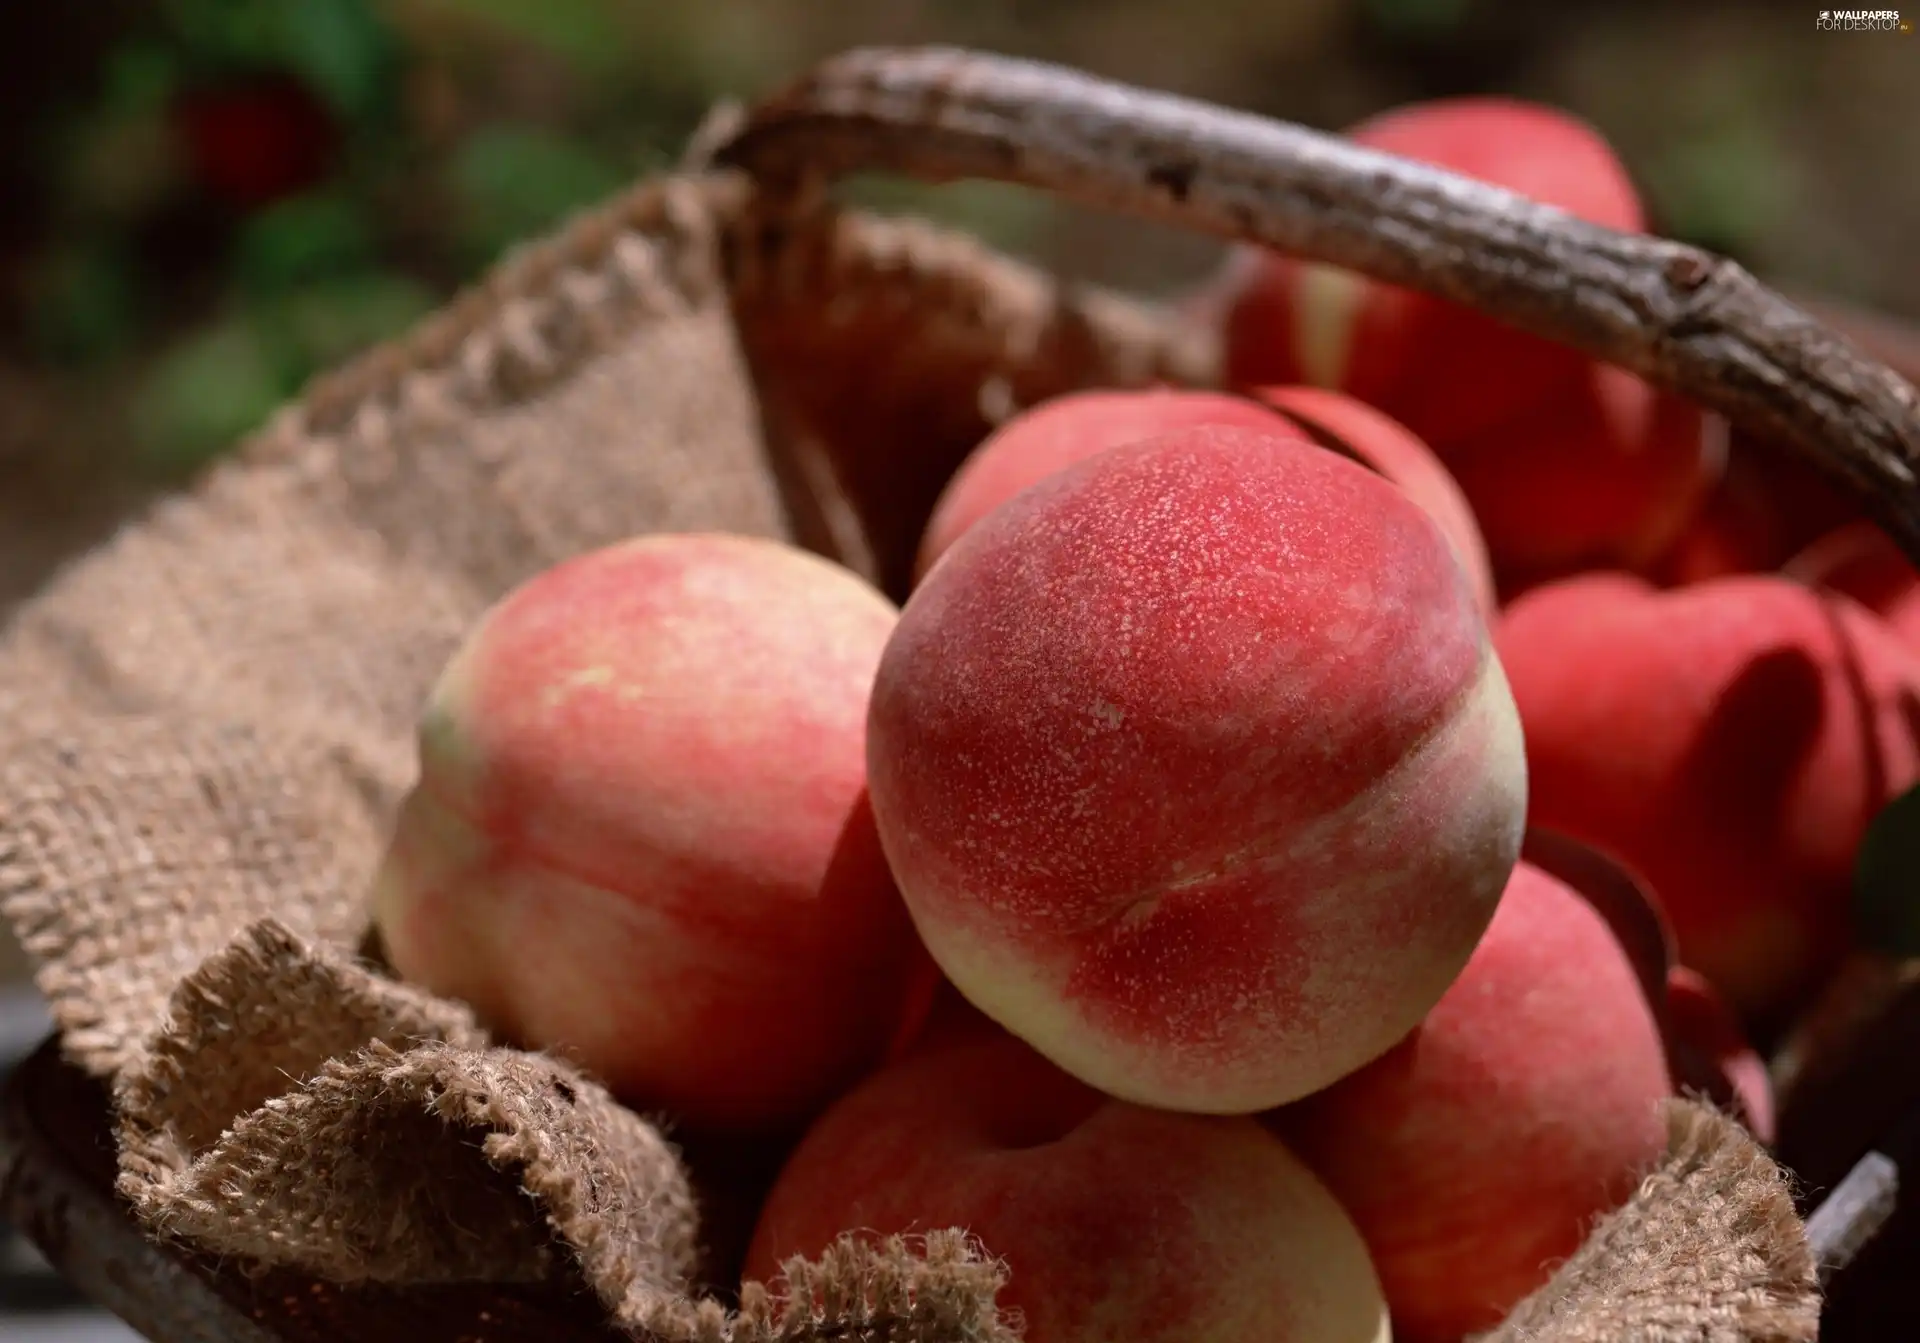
pixel 206 726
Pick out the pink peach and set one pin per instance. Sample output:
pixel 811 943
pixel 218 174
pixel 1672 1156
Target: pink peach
pixel 1733 531
pixel 1729 743
pixel 1475 1155
pixel 641 833
pixel 1196 769
pixel 1447 372
pixel 1765 507
pixel 1113 1221
pixel 1355 429
pixel 1609 473
pixel 1057 433
pixel 1566 462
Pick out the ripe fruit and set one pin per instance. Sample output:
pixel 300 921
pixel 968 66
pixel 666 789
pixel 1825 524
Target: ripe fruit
pixel 1566 462
pixel 1445 371
pixel 1114 1221
pixel 641 833
pixel 1476 1153
pixel 1728 742
pixel 1196 769
pixel 1067 429
pixel 1339 422
pixel 1610 472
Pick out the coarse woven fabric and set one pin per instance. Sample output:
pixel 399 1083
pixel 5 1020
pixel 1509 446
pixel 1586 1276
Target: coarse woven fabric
pixel 207 724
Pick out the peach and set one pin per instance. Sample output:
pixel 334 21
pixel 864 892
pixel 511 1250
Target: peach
pixel 1707 1049
pixel 1066 429
pixel 1566 462
pixel 1862 562
pixel 1609 473
pixel 1355 429
pixel 1114 1221
pixel 1196 768
pixel 1447 372
pixel 1475 1155
pixel 1729 743
pixel 641 833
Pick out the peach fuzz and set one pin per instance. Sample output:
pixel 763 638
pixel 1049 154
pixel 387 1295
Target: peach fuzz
pixel 1196 768
pixel 1114 1221
pixel 1475 1155
pixel 641 834
pixel 1339 422
pixel 1056 433
pixel 1729 743
pixel 1445 371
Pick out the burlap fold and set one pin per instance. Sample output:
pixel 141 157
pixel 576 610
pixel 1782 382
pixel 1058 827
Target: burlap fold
pixel 1708 1248
pixel 206 725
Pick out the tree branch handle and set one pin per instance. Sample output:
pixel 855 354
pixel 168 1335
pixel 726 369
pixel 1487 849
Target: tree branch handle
pixel 1682 318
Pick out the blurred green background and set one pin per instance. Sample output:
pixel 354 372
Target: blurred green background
pixel 210 200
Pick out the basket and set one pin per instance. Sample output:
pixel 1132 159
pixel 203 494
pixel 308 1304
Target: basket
pixel 245 1131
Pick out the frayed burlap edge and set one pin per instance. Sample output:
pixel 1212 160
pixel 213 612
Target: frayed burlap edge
pixel 938 1288
pixel 1708 1250
pixel 303 1112
pixel 224 1124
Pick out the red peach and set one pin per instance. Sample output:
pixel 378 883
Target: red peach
pixel 1862 562
pixel 1066 429
pixel 1565 461
pixel 1196 770
pixel 1114 1221
pixel 1611 472
pixel 1475 1154
pixel 1707 1050
pixel 641 833
pixel 1339 422
pixel 1702 1023
pixel 1729 743
pixel 1447 372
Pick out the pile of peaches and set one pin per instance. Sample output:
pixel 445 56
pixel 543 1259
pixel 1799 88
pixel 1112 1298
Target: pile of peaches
pixel 1146 895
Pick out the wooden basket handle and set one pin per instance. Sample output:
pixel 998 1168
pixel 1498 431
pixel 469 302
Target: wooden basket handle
pixel 1683 318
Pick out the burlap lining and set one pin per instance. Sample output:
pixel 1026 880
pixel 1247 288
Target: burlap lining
pixel 206 725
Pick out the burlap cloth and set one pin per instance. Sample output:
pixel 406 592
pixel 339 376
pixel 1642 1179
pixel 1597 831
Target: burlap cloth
pixel 206 725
